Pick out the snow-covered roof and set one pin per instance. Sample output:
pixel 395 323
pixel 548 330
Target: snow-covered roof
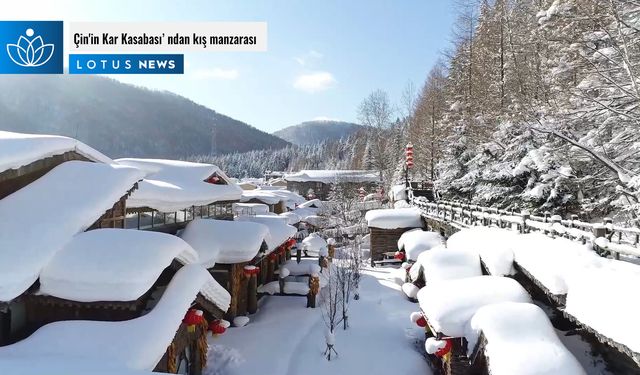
pixel 223 241
pixel 250 208
pixel 272 196
pixel 494 245
pixel 416 241
pixel 313 203
pixel 292 217
pixel 39 219
pixel 394 218
pixel 136 344
pixel 331 176
pixel 521 340
pixel 450 304
pixel 315 243
pixel 111 264
pixel 19 149
pixel 172 185
pixel 279 230
pixel 304 213
pixel 441 263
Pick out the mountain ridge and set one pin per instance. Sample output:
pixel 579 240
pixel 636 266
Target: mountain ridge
pixel 316 131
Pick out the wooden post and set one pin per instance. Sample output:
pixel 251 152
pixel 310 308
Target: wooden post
pixel 574 218
pixel 547 214
pixel 332 251
pixel 314 288
pixel 270 268
pixel 555 219
pixel 252 294
pixel 298 254
pixel 234 290
pixel 523 226
pixel 281 284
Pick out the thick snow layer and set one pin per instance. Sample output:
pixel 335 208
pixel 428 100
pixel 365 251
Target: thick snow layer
pixel 172 185
pixel 315 243
pixel 377 329
pixel 279 230
pixel 240 321
pixel 19 149
pixel 551 261
pixel 494 245
pixel 598 296
pixel 250 208
pixel 394 218
pixel 39 219
pixel 520 340
pixel 415 241
pixel 136 344
pixel 313 203
pixel 292 218
pixel 450 304
pixel 264 196
pixel 410 290
pixel 305 267
pixel 111 264
pixel 401 204
pixel 224 241
pixel 443 263
pixel 306 212
pixel 332 176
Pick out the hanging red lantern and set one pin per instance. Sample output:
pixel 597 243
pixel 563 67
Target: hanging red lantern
pixel 409 155
pixel 192 319
pixel 217 328
pixel 421 322
pixel 399 255
pixel 444 350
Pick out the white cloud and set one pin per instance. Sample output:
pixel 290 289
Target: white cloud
pixel 314 82
pixel 308 57
pixel 216 73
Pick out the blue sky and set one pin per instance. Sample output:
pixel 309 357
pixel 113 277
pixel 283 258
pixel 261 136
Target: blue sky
pixel 323 57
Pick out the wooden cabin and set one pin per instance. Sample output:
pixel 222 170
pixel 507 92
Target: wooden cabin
pixel 386 226
pixel 317 184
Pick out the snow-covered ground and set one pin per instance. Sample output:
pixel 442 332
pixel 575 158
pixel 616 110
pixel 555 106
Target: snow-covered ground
pixel 285 338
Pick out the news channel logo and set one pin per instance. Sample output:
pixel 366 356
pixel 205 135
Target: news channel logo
pixel 31 47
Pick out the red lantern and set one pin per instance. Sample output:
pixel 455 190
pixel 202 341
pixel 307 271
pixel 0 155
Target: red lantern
pixel 192 319
pixel 216 328
pixel 409 155
pixel 444 350
pixel 421 322
pixel 399 255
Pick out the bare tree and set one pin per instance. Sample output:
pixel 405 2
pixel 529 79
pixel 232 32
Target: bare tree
pixel 376 112
pixel 331 309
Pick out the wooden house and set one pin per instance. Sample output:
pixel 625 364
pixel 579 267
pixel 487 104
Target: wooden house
pixel 314 184
pixel 174 193
pixel 386 226
pixel 42 216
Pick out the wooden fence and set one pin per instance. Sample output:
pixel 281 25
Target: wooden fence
pixel 606 237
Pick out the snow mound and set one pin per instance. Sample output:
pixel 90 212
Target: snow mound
pixel 279 230
pixel 292 218
pixel 520 340
pixel 316 244
pixel 390 218
pixel 551 261
pixel 442 263
pixel 398 193
pixel 432 345
pixel 415 241
pixel 172 185
pixel 224 241
pixel 450 304
pixel 39 219
pixel 290 287
pixel 20 149
pixel 305 267
pixel 410 290
pixel 494 245
pixel 240 321
pixel 111 264
pixel 135 344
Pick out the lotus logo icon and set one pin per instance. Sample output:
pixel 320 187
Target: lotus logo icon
pixel 31 47
pixel 30 51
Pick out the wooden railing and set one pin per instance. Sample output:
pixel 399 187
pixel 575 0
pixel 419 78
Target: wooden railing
pixel 606 237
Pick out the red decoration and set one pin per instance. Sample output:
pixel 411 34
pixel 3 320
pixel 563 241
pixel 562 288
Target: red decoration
pixel 216 328
pixel 214 180
pixel 409 155
pixel 399 255
pixel 272 256
pixel 421 322
pixel 445 350
pixel 251 271
pixel 192 319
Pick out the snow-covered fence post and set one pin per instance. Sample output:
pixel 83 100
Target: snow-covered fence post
pixel 608 225
pixel 547 215
pixel 555 219
pixel 525 216
pixel 314 287
pixel 298 254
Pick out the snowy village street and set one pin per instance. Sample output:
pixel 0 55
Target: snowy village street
pixel 286 338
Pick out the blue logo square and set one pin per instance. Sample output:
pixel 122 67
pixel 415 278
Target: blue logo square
pixel 31 47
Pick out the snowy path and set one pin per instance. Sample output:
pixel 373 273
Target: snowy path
pixel 286 338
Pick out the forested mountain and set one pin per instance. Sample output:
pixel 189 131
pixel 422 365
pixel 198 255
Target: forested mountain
pixel 316 131
pixel 537 105
pixel 122 120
